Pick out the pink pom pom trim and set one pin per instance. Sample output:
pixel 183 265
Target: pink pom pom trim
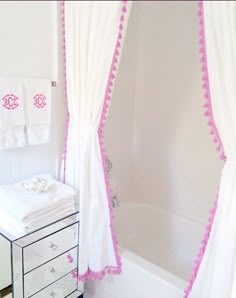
pixel 216 139
pixel 202 249
pixel 64 157
pixel 206 86
pixel 110 83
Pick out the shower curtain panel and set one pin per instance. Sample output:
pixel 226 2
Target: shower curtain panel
pixel 216 275
pixel 94 32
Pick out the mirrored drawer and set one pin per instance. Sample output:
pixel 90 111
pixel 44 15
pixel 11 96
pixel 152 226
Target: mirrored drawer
pixel 49 247
pixel 60 289
pixel 48 273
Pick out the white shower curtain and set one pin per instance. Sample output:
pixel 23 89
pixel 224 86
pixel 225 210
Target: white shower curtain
pixel 94 33
pixel 216 277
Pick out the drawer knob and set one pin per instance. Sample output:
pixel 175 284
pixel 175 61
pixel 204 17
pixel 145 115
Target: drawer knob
pixel 53 294
pixel 54 246
pixel 53 270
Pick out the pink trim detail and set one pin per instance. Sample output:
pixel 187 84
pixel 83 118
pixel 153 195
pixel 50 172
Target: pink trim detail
pixel 202 250
pixel 107 98
pixel 216 139
pixel 10 101
pixel 109 269
pixel 40 101
pixel 65 88
pixel 206 85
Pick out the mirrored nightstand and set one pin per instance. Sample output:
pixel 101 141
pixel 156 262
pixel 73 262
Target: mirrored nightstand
pixel 39 260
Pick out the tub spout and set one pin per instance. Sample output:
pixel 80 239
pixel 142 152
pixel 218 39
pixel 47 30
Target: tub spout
pixel 115 202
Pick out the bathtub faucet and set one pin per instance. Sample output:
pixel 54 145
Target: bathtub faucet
pixel 115 202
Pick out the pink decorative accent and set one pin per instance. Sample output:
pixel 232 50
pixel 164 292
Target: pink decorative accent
pixel 107 98
pixel 202 249
pixel 216 139
pixel 65 88
pixel 110 269
pixel 124 9
pixel 70 258
pixel 10 101
pixel 206 86
pixel 40 101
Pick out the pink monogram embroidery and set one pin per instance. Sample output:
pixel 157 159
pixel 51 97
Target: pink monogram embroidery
pixel 10 101
pixel 40 101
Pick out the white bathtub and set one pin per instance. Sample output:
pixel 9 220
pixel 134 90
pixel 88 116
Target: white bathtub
pixel 157 249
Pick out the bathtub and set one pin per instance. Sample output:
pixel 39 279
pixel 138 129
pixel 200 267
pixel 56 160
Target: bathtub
pixel 157 250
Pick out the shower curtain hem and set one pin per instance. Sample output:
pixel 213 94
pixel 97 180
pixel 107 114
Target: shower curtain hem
pixel 95 275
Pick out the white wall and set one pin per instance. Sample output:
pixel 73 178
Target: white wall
pixel 29 48
pixel 157 105
pixel 119 129
pixel 28 33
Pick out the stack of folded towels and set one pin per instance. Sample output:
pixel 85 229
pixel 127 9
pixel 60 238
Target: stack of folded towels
pixel 34 203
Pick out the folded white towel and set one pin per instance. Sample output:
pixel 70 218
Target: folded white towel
pixel 19 229
pixel 50 211
pixel 38 112
pixel 12 113
pixel 12 227
pixel 50 216
pixel 25 206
